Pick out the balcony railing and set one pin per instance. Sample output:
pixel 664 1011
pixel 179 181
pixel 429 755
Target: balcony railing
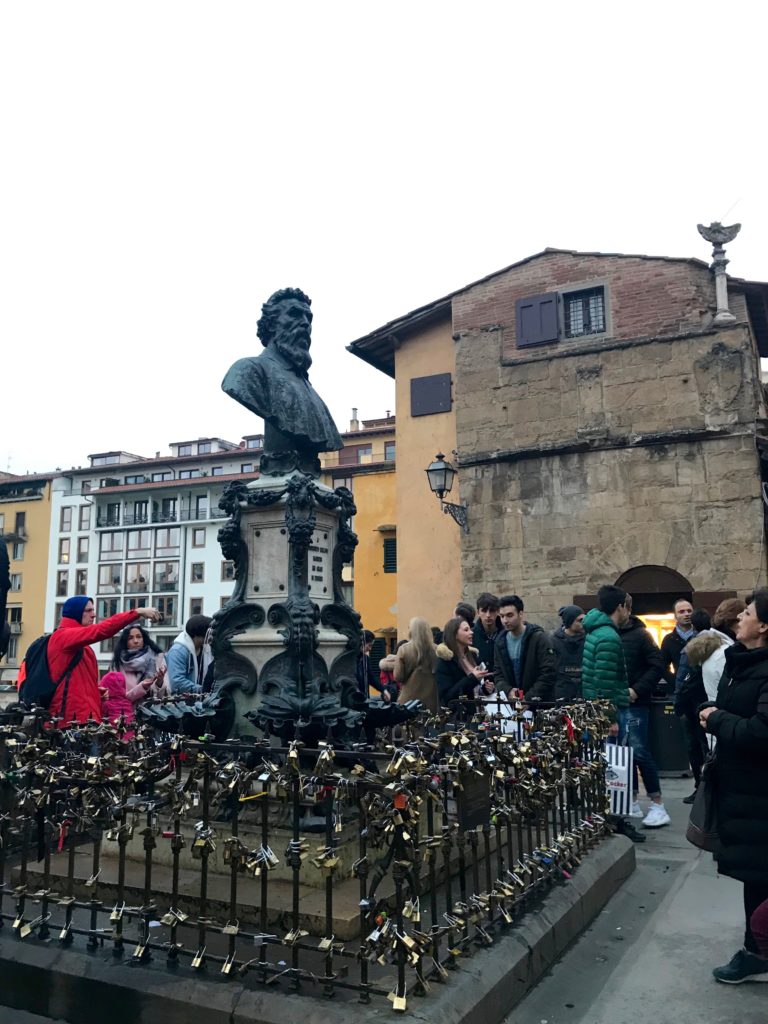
pixel 186 515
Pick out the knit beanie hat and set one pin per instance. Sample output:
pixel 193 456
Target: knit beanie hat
pixel 74 607
pixel 569 613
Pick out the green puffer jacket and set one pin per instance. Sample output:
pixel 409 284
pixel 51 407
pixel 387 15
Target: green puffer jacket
pixel 603 670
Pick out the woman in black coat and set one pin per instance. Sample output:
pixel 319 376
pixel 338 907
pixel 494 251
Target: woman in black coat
pixel 740 722
pixel 457 673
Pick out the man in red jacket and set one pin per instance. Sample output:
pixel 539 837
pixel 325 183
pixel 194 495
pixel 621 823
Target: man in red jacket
pixel 78 698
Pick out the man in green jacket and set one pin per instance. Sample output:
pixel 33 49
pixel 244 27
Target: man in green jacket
pixel 603 670
pixel 604 677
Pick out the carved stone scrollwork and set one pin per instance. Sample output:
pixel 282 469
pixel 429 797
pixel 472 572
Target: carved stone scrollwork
pixel 233 670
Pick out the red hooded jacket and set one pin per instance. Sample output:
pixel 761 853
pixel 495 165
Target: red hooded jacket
pixel 83 700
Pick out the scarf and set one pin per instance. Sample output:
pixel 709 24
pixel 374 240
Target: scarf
pixel 142 661
pixel 687 634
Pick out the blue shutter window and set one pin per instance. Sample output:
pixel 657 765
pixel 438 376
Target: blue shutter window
pixel 536 320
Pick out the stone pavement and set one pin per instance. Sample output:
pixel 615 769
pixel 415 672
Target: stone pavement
pixel 647 958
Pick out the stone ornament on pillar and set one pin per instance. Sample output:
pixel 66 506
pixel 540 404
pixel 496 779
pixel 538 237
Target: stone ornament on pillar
pixel 718 236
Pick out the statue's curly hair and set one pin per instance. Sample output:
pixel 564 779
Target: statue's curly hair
pixel 265 328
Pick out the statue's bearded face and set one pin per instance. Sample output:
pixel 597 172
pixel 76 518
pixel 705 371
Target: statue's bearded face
pixel 293 333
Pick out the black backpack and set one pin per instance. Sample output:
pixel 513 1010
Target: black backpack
pixel 38 686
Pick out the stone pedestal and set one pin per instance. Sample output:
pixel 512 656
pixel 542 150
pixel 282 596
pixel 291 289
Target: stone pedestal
pixel 285 646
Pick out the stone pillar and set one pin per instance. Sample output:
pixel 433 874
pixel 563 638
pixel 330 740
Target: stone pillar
pixel 718 236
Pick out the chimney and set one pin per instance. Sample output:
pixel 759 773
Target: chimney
pixel 354 423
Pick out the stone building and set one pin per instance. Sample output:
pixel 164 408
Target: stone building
pixel 607 429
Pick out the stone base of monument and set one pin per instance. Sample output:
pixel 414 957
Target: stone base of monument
pixel 484 986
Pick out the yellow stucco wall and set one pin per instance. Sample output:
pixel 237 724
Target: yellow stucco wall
pixel 33 568
pixel 375 590
pixel 428 541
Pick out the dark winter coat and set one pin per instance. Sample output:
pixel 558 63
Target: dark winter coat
pixel 537 663
pixel 603 670
pixel 452 681
pixel 741 727
pixel 485 644
pixel 642 658
pixel 81 695
pixel 671 648
pixel 569 651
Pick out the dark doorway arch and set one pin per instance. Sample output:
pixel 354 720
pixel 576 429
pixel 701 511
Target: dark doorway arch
pixel 654 588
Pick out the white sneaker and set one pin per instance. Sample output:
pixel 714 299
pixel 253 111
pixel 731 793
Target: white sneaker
pixel 656 817
pixel 637 811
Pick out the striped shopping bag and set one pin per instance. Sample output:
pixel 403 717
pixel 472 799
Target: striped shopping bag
pixel 618 776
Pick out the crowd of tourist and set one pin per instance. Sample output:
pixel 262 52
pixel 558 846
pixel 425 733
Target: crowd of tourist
pixel 714 671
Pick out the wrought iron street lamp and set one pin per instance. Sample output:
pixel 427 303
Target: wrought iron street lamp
pixel 441 475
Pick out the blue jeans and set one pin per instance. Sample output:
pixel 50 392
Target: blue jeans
pixel 633 726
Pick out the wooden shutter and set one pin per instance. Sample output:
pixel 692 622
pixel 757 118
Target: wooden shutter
pixel 536 320
pixel 390 554
pixel 430 395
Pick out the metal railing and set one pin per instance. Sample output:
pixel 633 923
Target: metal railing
pixel 447 838
pixel 159 518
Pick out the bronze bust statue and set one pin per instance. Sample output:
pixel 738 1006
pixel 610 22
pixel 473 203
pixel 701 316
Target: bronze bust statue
pixel 275 385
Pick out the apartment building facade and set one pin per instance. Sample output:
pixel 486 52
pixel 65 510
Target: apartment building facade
pixel 367 466
pixel 25 524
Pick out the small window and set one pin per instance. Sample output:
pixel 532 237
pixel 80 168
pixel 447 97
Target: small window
pixel 2 522
pixel 167 608
pixel 82 549
pixel 227 570
pixel 62 583
pixel 64 547
pixel 136 577
pixel 204 448
pixel 584 312
pixel 167 541
pixel 136 479
pixel 255 442
pixel 58 614
pixel 14 614
pixel 247 467
pixel 164 475
pixel 13 649
pixel 140 543
pixel 84 518
pixel 81 581
pixel 195 606
pixel 17 552
pixel 113 513
pixel 189 474
pixel 110 579
pixel 166 576
pixel 21 522
pixel 185 449
pixel 111 546
pixel 198 573
pixel 364 451
pixel 389 451
pixel 217 471
pixel 107 606
pixel 198 537
pixel 85 487
pixel 224 601
pixel 390 554
pixel 66 519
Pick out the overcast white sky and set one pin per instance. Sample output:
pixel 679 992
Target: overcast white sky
pixel 167 165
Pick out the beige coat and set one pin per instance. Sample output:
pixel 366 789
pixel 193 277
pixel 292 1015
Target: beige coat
pixel 417 682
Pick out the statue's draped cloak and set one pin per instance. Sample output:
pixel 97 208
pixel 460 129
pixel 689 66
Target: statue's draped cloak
pixel 271 388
